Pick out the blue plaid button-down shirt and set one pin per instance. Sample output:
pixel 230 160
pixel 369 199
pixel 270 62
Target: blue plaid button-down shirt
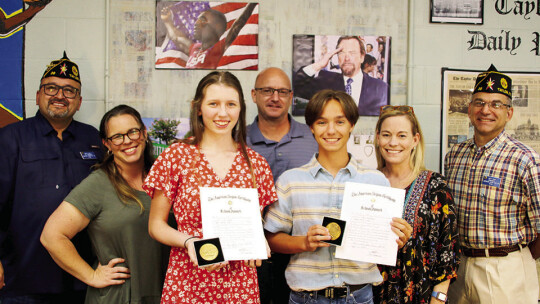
pixel 496 191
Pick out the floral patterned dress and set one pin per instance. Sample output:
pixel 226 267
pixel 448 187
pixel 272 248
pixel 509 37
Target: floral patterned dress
pixel 179 171
pixel 431 255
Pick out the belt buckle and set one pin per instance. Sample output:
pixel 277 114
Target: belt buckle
pixel 329 293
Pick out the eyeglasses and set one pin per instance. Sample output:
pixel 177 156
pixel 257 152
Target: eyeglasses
pixel 118 139
pixel 492 105
pixel 403 109
pixel 270 92
pixel 52 89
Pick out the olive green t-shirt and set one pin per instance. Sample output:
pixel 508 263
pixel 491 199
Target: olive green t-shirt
pixel 118 230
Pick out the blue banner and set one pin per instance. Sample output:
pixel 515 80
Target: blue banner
pixel 11 60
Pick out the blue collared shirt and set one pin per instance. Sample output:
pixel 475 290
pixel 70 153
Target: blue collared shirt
pixel 38 170
pixel 293 150
pixel 306 195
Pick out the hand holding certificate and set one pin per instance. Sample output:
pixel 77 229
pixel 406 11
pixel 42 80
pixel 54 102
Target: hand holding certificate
pixel 233 215
pixel 368 211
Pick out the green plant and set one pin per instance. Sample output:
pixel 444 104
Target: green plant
pixel 164 130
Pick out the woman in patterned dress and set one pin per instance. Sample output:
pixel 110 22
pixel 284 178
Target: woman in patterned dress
pixel 215 156
pixel 428 262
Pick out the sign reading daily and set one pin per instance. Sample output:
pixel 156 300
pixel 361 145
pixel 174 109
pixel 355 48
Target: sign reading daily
pixel 505 40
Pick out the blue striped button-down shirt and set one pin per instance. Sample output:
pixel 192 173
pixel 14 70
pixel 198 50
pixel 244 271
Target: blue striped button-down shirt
pixel 306 195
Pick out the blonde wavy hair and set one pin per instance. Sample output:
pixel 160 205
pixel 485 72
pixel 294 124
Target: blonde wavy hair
pixel 416 161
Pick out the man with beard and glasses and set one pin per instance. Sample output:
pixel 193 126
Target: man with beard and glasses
pixel 368 93
pixel 41 159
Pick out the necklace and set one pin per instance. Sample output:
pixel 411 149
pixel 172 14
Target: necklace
pixel 402 181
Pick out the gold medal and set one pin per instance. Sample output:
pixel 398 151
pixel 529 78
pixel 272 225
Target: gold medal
pixel 334 229
pixel 208 252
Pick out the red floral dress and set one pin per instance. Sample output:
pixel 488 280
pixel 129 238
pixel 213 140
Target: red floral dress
pixel 179 171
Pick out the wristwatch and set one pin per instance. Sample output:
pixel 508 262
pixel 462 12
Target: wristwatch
pixel 441 296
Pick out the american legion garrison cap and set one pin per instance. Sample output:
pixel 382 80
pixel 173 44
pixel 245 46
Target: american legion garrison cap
pixel 63 68
pixel 493 81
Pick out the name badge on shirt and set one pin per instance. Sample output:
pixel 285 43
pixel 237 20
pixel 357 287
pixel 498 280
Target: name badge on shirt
pixel 88 155
pixel 491 181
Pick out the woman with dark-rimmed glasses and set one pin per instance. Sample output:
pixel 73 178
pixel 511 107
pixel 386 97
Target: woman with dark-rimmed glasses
pixel 428 262
pixel 113 207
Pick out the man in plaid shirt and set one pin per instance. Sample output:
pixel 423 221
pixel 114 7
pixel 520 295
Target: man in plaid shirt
pixel 496 185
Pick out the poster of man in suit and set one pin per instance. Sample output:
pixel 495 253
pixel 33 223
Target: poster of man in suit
pixel 335 62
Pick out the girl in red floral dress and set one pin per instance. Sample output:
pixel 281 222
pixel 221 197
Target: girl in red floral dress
pixel 216 156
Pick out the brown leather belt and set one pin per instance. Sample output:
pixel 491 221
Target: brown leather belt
pixel 337 292
pixel 491 252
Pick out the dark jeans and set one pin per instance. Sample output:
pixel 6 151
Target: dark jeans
pixel 73 297
pixel 272 283
pixel 360 296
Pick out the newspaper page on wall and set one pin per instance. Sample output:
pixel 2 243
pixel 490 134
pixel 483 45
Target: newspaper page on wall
pixel 457 87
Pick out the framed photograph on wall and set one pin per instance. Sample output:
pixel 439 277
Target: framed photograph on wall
pixel 457 87
pixel 358 65
pixel 457 11
pixel 164 131
pixel 207 35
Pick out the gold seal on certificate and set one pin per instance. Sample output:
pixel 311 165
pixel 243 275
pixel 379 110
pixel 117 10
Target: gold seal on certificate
pixel 208 251
pixel 336 228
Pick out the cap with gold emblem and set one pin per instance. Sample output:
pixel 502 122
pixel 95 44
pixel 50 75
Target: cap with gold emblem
pixel 493 81
pixel 63 68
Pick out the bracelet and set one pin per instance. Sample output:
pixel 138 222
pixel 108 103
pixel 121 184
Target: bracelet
pixel 441 296
pixel 189 238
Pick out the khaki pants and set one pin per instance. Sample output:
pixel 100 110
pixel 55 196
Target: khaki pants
pixel 509 279
pixel 537 270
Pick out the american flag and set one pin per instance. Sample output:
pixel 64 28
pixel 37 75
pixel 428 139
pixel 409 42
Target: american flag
pixel 242 54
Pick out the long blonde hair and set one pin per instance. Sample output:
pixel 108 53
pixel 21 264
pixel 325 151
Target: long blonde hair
pixel 416 162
